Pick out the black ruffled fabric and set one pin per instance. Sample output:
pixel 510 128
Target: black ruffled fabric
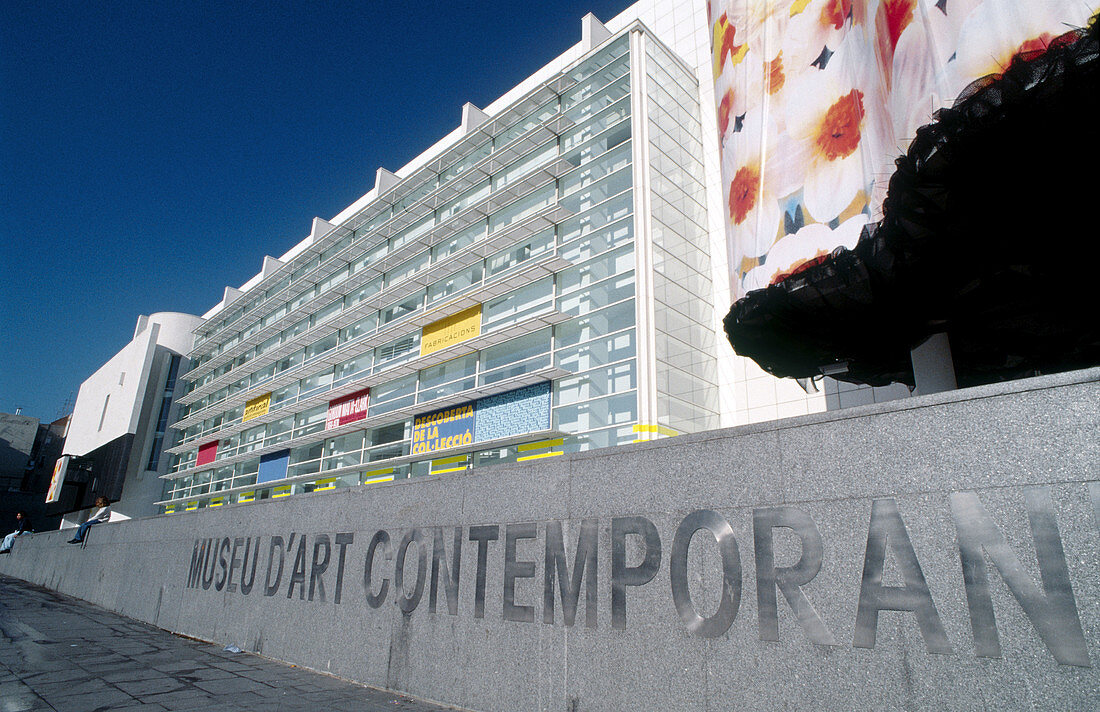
pixel 990 234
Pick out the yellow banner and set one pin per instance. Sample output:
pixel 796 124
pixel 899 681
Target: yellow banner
pixel 452 330
pixel 256 407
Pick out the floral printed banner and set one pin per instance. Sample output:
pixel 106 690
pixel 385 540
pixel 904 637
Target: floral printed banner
pixel 816 98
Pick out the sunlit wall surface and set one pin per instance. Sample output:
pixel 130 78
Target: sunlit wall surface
pixel 816 98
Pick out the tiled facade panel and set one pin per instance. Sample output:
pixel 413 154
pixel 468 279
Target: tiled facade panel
pixel 524 410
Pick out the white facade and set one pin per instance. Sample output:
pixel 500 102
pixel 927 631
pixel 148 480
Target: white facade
pixel 122 400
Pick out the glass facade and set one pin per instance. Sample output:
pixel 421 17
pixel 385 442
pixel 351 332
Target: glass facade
pixel 685 342
pixel 517 250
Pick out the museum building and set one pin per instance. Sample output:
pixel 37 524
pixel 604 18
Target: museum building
pixel 540 284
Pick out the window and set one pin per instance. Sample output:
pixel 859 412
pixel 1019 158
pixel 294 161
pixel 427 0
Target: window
pixel 314 384
pixel 446 378
pixel 310 421
pixel 103 415
pixel 519 304
pixel 328 312
pixel 456 242
pixel 162 417
pixel 464 201
pixel 532 247
pixel 316 349
pixel 599 323
pixel 371 287
pixel 402 308
pixel 359 328
pixel 516 350
pixel 407 269
pixel 349 370
pixel 394 394
pixel 402 348
pixel 596 269
pixel 604 350
pixel 454 283
pixel 519 209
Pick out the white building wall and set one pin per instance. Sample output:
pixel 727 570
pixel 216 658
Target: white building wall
pixel 109 401
pixel 175 330
pixel 123 396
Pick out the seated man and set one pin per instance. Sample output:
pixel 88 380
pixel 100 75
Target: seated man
pixel 23 526
pixel 103 514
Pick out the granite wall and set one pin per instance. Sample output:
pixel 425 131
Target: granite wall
pixel 941 552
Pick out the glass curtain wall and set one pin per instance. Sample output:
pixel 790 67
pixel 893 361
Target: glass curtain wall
pixel 685 341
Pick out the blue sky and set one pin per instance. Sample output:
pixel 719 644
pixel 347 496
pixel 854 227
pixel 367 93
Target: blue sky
pixel 152 153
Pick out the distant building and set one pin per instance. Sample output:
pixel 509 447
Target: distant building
pixel 28 450
pixel 17 437
pixel 117 432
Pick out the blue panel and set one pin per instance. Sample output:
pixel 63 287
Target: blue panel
pixel 273 466
pixel 520 411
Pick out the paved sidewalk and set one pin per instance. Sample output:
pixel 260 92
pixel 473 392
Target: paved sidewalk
pixel 60 654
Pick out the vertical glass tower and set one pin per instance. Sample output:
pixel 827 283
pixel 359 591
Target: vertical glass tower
pixel 538 283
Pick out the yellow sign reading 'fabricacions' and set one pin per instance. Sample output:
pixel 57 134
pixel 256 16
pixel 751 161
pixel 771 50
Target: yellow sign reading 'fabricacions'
pixel 449 331
pixel 256 407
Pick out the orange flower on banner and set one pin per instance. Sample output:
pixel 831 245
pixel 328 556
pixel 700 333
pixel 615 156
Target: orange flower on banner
pixel 751 200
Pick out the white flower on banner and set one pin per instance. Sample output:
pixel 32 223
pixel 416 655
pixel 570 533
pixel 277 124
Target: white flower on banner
pixel 999 29
pixel 818 26
pixel 795 251
pixel 830 121
pixel 761 24
pixel 747 86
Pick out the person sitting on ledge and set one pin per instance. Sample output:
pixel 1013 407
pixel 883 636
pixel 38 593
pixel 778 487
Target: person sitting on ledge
pixel 23 523
pixel 103 514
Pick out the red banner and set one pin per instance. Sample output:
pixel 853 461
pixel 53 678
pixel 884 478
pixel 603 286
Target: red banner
pixel 347 409
pixel 206 453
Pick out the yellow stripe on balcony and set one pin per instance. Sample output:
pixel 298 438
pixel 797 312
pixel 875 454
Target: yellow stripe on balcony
pixel 374 476
pixel 246 497
pixel 328 484
pixel 539 445
pixel 547 445
pixel 439 467
pixel 192 506
pixel 538 455
pixel 281 491
pixel 659 430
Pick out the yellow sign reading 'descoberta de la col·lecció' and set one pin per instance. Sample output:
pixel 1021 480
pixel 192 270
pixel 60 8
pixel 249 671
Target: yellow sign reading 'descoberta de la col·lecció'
pixel 454 329
pixel 256 407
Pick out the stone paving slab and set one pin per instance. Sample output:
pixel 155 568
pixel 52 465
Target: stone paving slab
pixel 61 654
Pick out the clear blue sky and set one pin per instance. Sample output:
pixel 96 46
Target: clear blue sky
pixel 152 153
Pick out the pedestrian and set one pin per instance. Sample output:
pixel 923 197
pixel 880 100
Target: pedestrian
pixel 103 514
pixel 23 526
